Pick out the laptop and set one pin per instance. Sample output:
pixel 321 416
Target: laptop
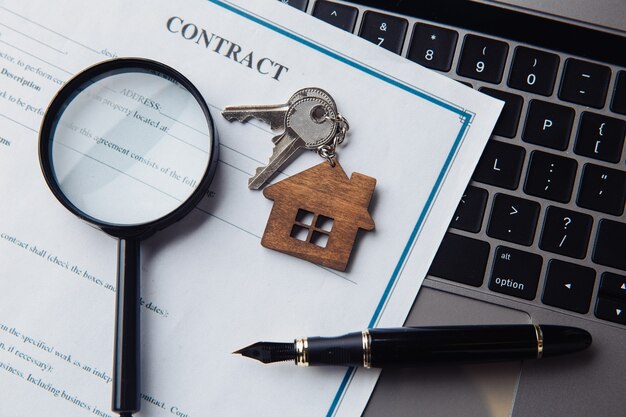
pixel 540 233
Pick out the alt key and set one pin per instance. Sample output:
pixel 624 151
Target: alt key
pixel 515 273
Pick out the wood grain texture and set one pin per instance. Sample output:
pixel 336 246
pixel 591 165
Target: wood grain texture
pixel 306 201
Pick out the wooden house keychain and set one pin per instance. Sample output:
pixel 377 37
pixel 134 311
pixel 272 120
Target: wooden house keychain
pixel 317 212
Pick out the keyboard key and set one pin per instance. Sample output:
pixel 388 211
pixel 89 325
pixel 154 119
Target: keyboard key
pixel 600 137
pixel 483 59
pixel 515 273
pixel 432 46
pixel 602 189
pixel 509 118
pixel 611 309
pixel 611 304
pixel 610 246
pixel 618 104
pixel 298 4
pixel 384 30
pixel 548 124
pixel 513 219
pixel 469 212
pixel 533 71
pixel 584 83
pixel 339 15
pixel 613 285
pixel 500 165
pixel 566 232
pixel 550 176
pixel 461 259
pixel 568 286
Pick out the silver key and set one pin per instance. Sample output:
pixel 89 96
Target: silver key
pixel 308 125
pixel 309 122
pixel 274 115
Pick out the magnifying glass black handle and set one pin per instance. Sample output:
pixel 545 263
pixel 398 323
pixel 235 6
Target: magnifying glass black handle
pixel 126 375
pixel 124 193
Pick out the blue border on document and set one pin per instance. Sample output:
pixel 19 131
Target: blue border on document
pixel 464 115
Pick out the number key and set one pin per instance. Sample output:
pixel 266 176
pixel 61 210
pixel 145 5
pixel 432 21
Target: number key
pixel 339 15
pixel 432 46
pixel 533 71
pixel 298 4
pixel 483 59
pixel 384 30
pixel 584 83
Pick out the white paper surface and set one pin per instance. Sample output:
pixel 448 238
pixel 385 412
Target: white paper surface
pixel 208 286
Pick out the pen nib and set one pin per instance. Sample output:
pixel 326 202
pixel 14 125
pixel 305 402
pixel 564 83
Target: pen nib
pixel 269 352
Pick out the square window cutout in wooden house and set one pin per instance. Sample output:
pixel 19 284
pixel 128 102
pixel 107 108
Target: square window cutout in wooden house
pixel 317 214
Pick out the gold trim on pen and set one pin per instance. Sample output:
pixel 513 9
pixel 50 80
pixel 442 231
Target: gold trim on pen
pixel 539 335
pixel 302 354
pixel 366 342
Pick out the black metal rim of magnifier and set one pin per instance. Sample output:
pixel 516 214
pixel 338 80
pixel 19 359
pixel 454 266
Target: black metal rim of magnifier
pixel 126 363
pixel 64 97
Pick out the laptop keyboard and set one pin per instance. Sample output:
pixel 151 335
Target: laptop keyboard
pixel 543 217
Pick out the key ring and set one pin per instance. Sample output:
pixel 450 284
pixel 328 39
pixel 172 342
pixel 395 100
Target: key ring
pixel 328 151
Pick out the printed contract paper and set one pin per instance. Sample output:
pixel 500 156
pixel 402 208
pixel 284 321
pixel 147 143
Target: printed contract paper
pixel 208 286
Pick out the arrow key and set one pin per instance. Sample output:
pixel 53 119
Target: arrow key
pixel 613 285
pixel 611 309
pixel 568 286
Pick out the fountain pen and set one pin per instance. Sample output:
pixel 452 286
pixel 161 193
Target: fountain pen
pixel 410 346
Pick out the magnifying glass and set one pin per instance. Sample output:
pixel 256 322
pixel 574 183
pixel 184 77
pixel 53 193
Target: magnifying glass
pixel 129 146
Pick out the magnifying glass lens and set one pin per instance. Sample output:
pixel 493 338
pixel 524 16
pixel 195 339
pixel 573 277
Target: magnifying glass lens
pixel 129 146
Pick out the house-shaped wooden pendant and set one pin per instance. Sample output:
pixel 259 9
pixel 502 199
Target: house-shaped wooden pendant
pixel 317 214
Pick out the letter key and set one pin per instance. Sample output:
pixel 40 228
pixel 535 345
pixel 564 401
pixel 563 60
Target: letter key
pixel 309 122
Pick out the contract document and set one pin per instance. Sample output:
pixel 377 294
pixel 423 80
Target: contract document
pixel 208 287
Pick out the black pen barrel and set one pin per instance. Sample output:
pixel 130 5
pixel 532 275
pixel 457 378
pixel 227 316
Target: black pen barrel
pixel 410 346
pixel 492 343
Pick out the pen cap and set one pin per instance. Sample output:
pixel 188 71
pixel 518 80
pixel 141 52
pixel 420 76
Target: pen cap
pixel 409 346
pixel 559 340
